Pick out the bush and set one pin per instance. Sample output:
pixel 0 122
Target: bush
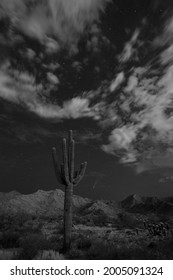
pixel 31 244
pixel 75 254
pixel 101 251
pixel 56 242
pixel 84 244
pixel 49 255
pixel 127 220
pixel 100 218
pixel 10 239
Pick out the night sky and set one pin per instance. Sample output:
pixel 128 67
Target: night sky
pixel 103 68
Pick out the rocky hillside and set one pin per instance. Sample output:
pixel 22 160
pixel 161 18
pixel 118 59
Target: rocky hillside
pixel 140 204
pixel 50 203
pixel 45 203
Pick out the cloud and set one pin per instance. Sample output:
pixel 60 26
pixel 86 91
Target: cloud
pixel 132 83
pixel 87 136
pixel 120 139
pixel 155 161
pixel 30 54
pixel 71 109
pixel 129 48
pixel 166 179
pixel 51 45
pixel 139 116
pixel 17 87
pixel 143 126
pixel 76 108
pixel 22 89
pixel 145 100
pixel 52 78
pixel 117 82
pixel 166 37
pixel 77 66
pixel 52 22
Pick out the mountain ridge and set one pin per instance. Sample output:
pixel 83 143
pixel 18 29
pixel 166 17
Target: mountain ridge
pixel 38 203
pixel 137 203
pixel 51 203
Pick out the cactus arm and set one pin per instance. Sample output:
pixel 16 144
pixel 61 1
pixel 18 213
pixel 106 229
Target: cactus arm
pixel 70 135
pixel 82 169
pixel 71 155
pixel 69 149
pixel 72 144
pixel 65 162
pixel 81 173
pixel 62 173
pixel 56 167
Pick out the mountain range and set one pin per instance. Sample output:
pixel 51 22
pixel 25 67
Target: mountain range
pixel 143 205
pixel 50 203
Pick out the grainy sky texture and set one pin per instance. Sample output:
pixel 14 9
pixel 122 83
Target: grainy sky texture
pixel 103 68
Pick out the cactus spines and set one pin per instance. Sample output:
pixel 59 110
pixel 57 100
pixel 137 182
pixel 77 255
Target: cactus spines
pixel 66 175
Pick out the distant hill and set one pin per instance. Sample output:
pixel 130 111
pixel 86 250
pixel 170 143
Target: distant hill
pixel 51 203
pixel 8 196
pixel 45 203
pixel 140 204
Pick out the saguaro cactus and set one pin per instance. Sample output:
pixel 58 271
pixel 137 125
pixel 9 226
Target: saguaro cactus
pixel 66 175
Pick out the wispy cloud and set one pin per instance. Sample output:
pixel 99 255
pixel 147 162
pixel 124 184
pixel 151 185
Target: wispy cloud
pixel 147 139
pixel 52 78
pixel 143 132
pixel 52 22
pixel 130 48
pixel 22 89
pixel 166 179
pixel 87 136
pixel 117 82
pixel 136 106
pixel 120 139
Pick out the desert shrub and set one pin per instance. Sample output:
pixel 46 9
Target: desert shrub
pixel 36 228
pixel 142 249
pixel 9 239
pixel 153 218
pixel 31 244
pixel 76 219
pixel 132 253
pixel 165 250
pixel 97 218
pixel 20 219
pixel 3 220
pixel 101 251
pixel 75 254
pixel 84 220
pixel 78 239
pixel 60 229
pixel 56 242
pixel 8 254
pixel 106 251
pixel 127 220
pixel 49 255
pixel 100 218
pixel 90 224
pixel 84 244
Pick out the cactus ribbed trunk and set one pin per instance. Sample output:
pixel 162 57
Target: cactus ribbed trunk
pixel 68 205
pixel 70 178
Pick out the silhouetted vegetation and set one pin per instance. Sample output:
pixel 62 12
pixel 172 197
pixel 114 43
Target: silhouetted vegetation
pixel 10 239
pixel 95 235
pixel 31 244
